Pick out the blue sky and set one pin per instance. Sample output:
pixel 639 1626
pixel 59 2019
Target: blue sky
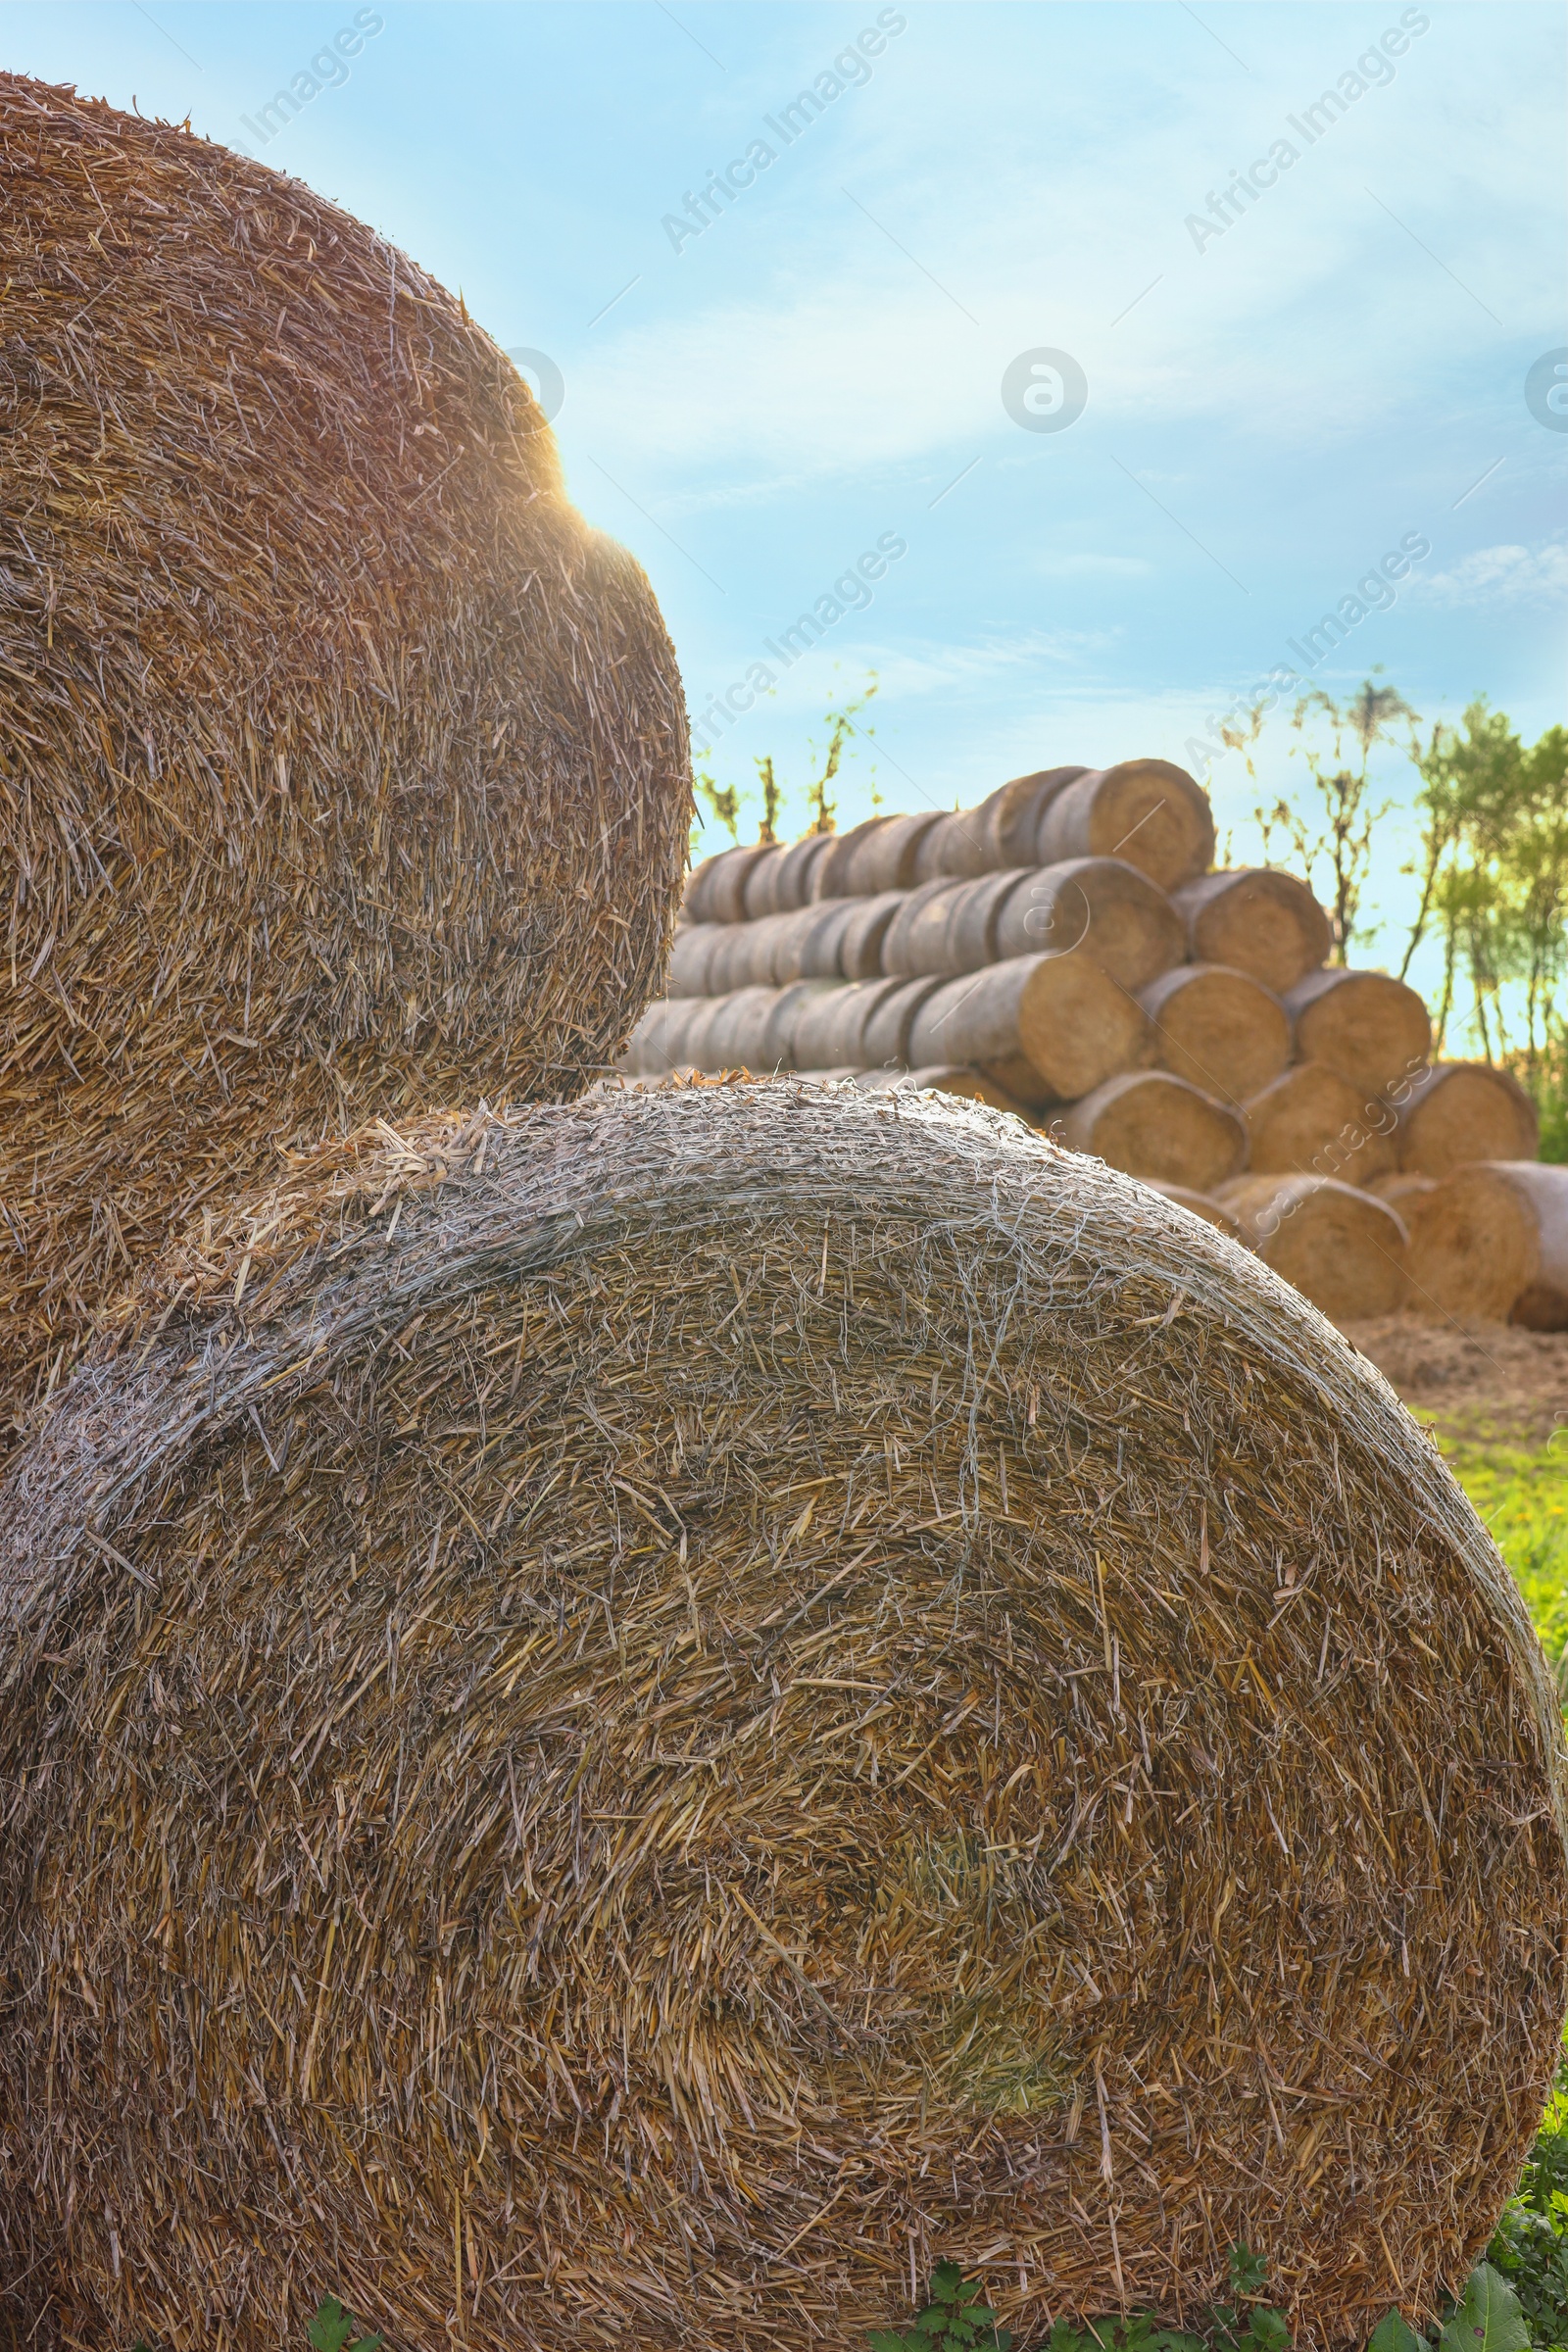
pixel 1271 408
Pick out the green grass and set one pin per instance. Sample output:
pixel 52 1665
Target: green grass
pixel 1523 1498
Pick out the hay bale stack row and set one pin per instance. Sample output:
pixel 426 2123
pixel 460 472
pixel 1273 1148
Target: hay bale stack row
pixel 616 1729
pixel 1180 1024
pixel 343 768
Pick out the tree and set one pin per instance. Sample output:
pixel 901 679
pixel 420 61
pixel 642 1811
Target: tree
pixel 1340 830
pixel 725 801
pixel 1493 868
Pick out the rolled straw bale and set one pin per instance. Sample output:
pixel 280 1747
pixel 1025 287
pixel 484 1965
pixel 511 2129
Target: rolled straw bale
pixel 743 955
pixel 1103 907
pixel 755 1669
pixel 760 890
pixel 864 930
pixel 1060 1013
pixel 790 881
pixel 974 921
pixel 1257 920
pixel 831 1032
pixel 1146 811
pixel 790 1006
pixel 346 769
pixel 1311 1122
pixel 883 859
pixel 1339 1247
pixel 809 942
pixel 1462 1110
pixel 1157 1127
pixel 1543 1305
pixel 914 945
pixel 737 1037
pixel 690 957
pixel 831 875
pixel 1222 1031
pixel 965 1083
pixel 716 891
pixel 955 850
pixel 682 1042
pixel 1368 1026
pixel 1396 1190
pixel 1489 1243
pixel 891 1022
pixel 1010 818
pixel 1201 1205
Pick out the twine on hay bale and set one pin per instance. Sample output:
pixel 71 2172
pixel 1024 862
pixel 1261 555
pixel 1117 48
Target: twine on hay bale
pixel 343 769
pixel 657 1711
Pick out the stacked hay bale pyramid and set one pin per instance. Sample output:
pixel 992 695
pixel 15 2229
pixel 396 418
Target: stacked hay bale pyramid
pixel 1063 951
pixel 676 1706
pixel 343 769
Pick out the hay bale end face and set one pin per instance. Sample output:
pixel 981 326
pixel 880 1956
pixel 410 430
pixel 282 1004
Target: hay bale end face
pixel 345 768
pixel 698 1697
pixel 1341 1247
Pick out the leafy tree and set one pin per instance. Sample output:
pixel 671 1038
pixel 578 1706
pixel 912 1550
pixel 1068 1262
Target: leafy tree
pixel 1493 870
pixel 1337 743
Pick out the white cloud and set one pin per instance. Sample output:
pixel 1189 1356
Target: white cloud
pixel 1499 575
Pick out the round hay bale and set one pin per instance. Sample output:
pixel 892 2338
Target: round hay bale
pixel 345 768
pixel 1218 1029
pixel 1154 1125
pixel 831 1032
pixel 1464 1110
pixel 1148 811
pixel 890 1023
pixel 784 882
pixel 1341 1247
pixel 811 940
pixel 716 890
pixel 1256 920
pixel 914 945
pixel 966 1085
pixel 1371 1028
pixel 1490 1241
pixel 1398 1189
pixel 1199 1205
pixel 620 1724
pixel 884 859
pixel 1314 1121
pixel 832 876
pixel 860 942
pixel 1101 906
pixel 759 889
pixel 955 849
pixel 690 958
pixel 1059 1014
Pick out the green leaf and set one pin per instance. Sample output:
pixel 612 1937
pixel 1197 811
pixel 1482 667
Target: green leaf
pixel 1394 2333
pixel 1248 2271
pixel 947 2283
pixel 1490 2317
pixel 888 2340
pixel 1268 2332
pixel 331 2328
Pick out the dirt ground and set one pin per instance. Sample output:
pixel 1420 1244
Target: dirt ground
pixel 1488 1380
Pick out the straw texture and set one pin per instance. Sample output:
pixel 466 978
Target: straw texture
pixel 343 770
pixel 620 1725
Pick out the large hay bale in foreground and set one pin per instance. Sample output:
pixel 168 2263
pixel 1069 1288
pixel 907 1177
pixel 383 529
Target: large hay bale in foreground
pixel 657 1712
pixel 344 768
